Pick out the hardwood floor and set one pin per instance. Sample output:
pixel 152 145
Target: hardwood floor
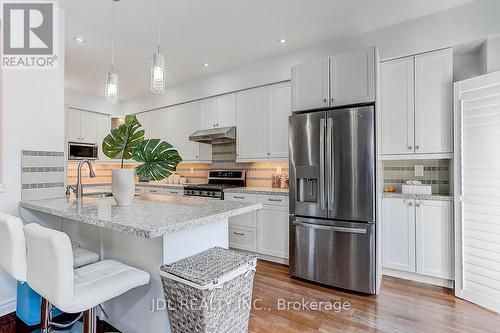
pixel 402 306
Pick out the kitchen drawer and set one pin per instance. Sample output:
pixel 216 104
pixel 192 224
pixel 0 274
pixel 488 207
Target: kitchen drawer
pixel 248 220
pixel 153 190
pixel 277 200
pixel 173 191
pixel 139 190
pixel 243 238
pixel 245 197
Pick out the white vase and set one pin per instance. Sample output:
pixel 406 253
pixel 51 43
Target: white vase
pixel 123 186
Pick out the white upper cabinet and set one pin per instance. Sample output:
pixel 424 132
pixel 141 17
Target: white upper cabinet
pixel 416 105
pixel 352 77
pixel 88 130
pixel 170 129
pixel 188 122
pixel 208 109
pixel 73 125
pixel 397 105
pixel 398 234
pixel 218 111
pixel 342 79
pixel 310 85
pixel 226 110
pixel 279 109
pixel 252 124
pixel 80 126
pixel 262 123
pixel 103 128
pixel 434 241
pixel 433 102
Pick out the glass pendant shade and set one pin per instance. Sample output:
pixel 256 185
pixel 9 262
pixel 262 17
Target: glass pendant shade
pixel 112 88
pixel 158 74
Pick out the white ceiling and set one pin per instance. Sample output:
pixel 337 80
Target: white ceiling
pixel 224 33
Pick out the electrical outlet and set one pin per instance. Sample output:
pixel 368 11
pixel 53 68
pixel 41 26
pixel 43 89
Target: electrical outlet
pixel 419 170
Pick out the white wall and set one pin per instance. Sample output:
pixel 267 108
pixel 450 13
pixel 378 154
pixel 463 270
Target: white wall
pixel 493 54
pixel 79 100
pixel 33 118
pixel 470 22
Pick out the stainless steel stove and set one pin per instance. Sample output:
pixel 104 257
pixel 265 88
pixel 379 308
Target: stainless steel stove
pixel 218 180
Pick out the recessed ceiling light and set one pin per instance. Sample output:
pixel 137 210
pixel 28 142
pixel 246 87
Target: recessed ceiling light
pixel 283 41
pixel 79 39
pixel 206 64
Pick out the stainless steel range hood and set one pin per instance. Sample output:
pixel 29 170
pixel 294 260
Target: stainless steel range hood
pixel 219 134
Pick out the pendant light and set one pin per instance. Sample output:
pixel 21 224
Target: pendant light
pixel 112 88
pixel 158 72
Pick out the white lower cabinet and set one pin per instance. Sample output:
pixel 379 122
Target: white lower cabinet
pixel 264 231
pixel 153 190
pixel 242 238
pixel 398 235
pixel 434 241
pixel 417 236
pixel 272 231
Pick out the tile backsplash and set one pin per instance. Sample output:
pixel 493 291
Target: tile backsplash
pixel 42 174
pixel 436 174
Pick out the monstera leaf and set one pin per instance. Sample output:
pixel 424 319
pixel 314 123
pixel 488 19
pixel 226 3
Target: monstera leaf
pixel 123 139
pixel 159 159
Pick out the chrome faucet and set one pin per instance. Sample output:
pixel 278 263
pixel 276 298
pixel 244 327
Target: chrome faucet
pixel 78 190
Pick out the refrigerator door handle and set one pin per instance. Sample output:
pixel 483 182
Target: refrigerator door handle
pixel 330 162
pixel 322 200
pixel 330 228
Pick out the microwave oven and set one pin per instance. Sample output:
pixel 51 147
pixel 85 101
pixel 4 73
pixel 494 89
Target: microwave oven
pixel 80 151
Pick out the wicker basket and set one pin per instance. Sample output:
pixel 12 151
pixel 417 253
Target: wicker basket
pixel 210 292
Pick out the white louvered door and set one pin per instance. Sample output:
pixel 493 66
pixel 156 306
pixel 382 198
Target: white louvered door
pixel 477 167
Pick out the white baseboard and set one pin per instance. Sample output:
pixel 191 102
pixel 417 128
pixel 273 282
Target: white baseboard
pixel 418 278
pixel 273 259
pixel 7 307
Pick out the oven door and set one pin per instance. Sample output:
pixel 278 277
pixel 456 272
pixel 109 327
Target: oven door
pixel 80 151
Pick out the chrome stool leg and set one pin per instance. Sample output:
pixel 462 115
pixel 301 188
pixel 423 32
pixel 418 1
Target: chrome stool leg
pixel 90 321
pixel 45 316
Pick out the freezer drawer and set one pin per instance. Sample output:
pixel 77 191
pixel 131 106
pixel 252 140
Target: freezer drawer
pixel 339 254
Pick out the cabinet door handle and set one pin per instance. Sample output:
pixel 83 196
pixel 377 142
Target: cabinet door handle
pixel 174 192
pixel 238 233
pixel 236 197
pixel 275 200
pixel 410 203
pixel 417 147
pixel 325 100
pixel 410 147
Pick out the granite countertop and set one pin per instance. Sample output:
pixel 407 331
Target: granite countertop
pixel 258 190
pixel 441 197
pixel 150 216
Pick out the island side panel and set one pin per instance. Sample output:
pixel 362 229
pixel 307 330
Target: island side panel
pixel 130 312
pixel 188 242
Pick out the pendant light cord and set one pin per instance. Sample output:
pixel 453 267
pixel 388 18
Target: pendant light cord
pixel 113 36
pixel 159 24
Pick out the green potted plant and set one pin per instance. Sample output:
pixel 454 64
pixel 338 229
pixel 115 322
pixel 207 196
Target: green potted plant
pixel 159 159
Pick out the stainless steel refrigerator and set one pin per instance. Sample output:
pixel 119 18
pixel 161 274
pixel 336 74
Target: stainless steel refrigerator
pixel 332 197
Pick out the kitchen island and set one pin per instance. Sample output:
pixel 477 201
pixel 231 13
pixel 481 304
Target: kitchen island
pixel 155 230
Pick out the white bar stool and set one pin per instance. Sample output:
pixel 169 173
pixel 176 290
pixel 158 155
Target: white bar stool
pixel 50 273
pixel 13 250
